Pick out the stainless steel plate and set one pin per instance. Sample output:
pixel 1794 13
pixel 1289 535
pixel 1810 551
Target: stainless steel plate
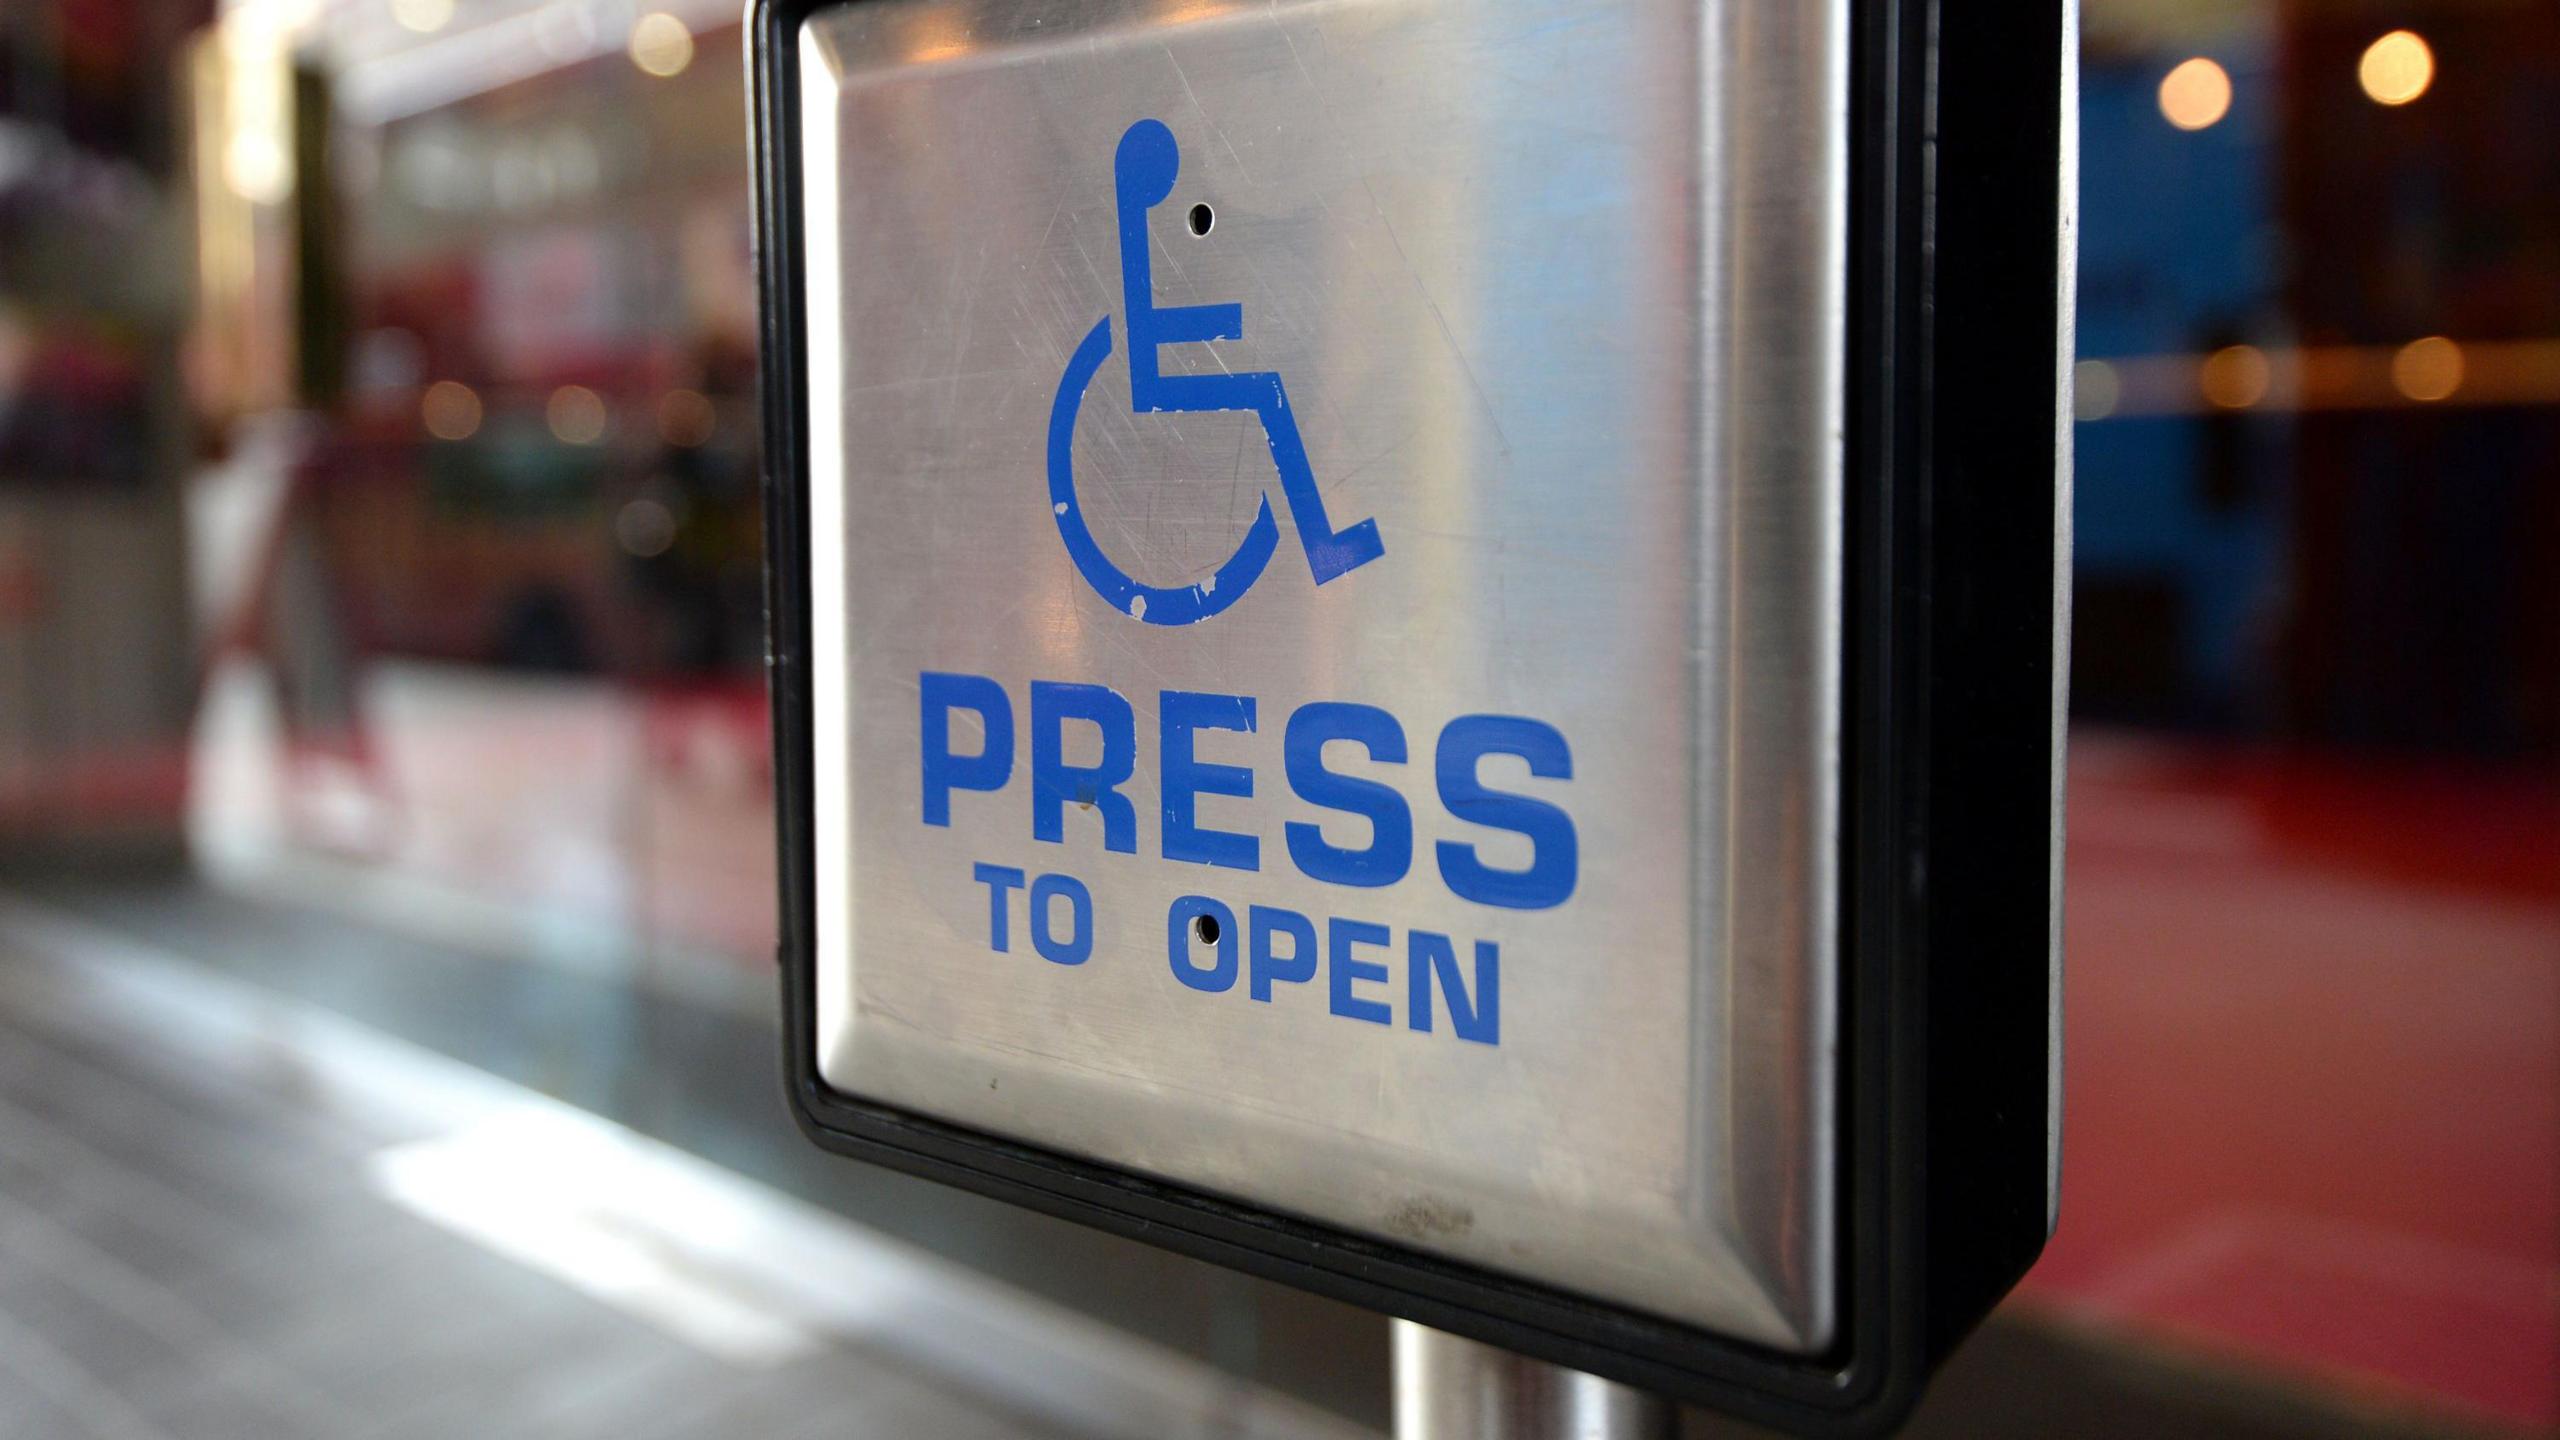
pixel 1552 292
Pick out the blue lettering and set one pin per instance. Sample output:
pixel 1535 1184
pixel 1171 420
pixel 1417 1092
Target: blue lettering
pixel 1079 941
pixel 1548 878
pixel 999 880
pixel 1390 852
pixel 938 695
pixel 1554 860
pixel 1184 714
pixel 1475 1015
pixel 1343 971
pixel 1197 917
pixel 1055 783
pixel 1262 922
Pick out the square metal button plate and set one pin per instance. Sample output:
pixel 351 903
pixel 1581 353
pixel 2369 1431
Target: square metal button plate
pixel 1508 490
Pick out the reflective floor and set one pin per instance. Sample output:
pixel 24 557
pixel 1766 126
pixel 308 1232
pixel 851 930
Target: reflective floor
pixel 178 1246
pixel 2313 1068
pixel 267 1170
pixel 227 1212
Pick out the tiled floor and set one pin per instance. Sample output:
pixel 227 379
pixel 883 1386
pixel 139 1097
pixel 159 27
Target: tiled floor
pixel 219 1217
pixel 704 1079
pixel 187 1256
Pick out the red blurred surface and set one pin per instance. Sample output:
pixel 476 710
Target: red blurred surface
pixel 2312 1106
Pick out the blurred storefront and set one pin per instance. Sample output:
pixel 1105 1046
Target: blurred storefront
pixel 2314 889
pixel 403 574
pixel 94 639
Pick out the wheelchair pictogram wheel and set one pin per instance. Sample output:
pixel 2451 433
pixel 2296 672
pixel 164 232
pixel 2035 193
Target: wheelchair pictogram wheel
pixel 1154 604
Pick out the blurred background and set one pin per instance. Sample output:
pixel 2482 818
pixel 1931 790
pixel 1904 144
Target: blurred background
pixel 386 871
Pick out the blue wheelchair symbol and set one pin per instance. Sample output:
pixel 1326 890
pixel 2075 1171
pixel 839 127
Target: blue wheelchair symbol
pixel 1144 170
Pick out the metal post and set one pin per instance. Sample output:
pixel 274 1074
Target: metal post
pixel 1453 1389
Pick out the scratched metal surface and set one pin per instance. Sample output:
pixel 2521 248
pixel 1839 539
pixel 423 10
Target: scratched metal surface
pixel 1555 287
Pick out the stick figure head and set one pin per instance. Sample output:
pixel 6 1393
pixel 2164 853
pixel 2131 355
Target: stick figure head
pixel 1146 164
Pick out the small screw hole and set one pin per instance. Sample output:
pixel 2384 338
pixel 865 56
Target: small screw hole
pixel 1201 219
pixel 1206 927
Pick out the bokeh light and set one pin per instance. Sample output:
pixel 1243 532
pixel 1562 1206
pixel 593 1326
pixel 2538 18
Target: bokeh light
pixel 2195 94
pixel 2235 377
pixel 686 418
pixel 2427 369
pixel 576 415
pixel 644 528
pixel 661 44
pixel 2095 390
pixel 450 410
pixel 423 16
pixel 2397 68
